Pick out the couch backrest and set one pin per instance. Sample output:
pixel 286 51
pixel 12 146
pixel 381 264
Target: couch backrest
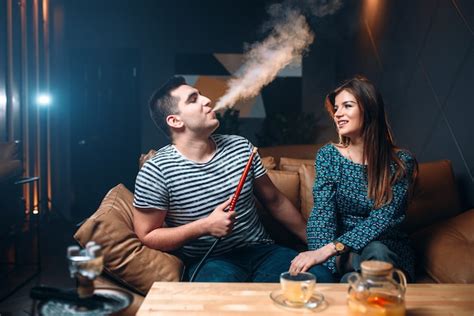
pixel 290 151
pixel 435 196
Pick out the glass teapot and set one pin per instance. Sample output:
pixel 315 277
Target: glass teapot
pixel 375 291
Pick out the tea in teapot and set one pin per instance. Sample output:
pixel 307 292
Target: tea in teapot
pixel 375 292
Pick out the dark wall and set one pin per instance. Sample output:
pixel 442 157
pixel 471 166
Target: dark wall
pixel 191 27
pixel 160 30
pixel 154 32
pixel 426 73
pixel 420 54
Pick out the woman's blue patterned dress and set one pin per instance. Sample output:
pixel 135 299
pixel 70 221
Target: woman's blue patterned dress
pixel 343 212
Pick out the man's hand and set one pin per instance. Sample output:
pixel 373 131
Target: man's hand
pixel 220 223
pixel 150 229
pixel 305 260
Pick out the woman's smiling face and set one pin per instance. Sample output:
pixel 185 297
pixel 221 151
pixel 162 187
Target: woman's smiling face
pixel 348 115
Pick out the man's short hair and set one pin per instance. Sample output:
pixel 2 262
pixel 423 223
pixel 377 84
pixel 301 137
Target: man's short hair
pixel 162 103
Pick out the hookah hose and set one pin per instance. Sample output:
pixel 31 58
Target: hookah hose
pixel 233 202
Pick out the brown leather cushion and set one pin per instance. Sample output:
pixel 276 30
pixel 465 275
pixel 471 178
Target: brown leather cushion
pixel 307 175
pixel 125 257
pixel 293 164
pixel 288 183
pixel 446 251
pixel 435 196
pixel 292 151
pixel 268 162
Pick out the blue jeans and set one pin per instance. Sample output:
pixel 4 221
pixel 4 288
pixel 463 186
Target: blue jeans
pixel 375 250
pixel 251 263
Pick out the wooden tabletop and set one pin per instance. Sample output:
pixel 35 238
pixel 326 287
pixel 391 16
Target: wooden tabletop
pixel 179 298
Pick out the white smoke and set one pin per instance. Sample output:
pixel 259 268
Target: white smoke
pixel 289 39
pixel 322 8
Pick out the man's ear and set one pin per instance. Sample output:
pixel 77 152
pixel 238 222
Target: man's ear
pixel 174 121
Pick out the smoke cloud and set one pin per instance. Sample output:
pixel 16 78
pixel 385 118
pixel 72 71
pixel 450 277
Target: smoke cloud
pixel 320 8
pixel 289 39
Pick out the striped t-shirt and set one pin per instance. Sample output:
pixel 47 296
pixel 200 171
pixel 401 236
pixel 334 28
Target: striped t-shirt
pixel 188 191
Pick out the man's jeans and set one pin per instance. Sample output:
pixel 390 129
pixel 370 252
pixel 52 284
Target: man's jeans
pixel 252 263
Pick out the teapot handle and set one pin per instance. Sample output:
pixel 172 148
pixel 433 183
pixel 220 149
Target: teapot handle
pixel 402 278
pixel 353 279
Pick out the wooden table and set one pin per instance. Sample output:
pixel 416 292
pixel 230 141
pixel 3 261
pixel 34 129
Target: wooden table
pixel 175 298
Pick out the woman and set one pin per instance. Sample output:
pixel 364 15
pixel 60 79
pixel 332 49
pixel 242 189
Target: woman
pixel 361 188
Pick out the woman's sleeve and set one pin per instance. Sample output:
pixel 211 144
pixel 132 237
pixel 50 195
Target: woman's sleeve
pixel 379 220
pixel 321 228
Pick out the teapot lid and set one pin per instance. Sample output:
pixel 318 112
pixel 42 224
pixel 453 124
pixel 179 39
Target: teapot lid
pixel 374 267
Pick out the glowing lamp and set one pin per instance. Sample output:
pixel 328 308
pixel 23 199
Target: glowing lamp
pixel 43 99
pixel 3 100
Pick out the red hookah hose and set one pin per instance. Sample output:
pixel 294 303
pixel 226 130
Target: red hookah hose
pixel 233 202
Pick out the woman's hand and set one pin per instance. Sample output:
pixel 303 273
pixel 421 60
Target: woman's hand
pixel 305 260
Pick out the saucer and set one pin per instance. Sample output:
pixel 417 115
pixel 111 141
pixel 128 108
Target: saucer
pixel 316 300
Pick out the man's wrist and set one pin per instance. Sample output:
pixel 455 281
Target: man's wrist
pixel 203 226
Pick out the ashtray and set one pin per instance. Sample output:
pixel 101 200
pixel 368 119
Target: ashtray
pixel 316 300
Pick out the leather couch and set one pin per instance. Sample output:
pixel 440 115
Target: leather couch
pixel 442 233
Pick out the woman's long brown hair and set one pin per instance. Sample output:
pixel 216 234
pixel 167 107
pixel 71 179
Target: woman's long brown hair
pixel 379 149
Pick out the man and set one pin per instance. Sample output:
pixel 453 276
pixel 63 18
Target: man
pixel 182 192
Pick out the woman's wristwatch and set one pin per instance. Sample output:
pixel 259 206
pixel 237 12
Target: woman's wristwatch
pixel 339 247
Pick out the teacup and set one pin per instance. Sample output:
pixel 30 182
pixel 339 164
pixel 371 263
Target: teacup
pixel 297 288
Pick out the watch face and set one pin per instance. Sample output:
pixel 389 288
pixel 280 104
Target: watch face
pixel 339 246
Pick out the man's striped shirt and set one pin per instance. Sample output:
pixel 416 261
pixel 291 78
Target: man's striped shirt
pixel 188 191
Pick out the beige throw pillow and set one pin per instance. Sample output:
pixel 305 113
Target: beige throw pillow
pixel 126 259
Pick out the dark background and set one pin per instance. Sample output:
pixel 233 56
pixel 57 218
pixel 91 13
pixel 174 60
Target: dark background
pixel 106 57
